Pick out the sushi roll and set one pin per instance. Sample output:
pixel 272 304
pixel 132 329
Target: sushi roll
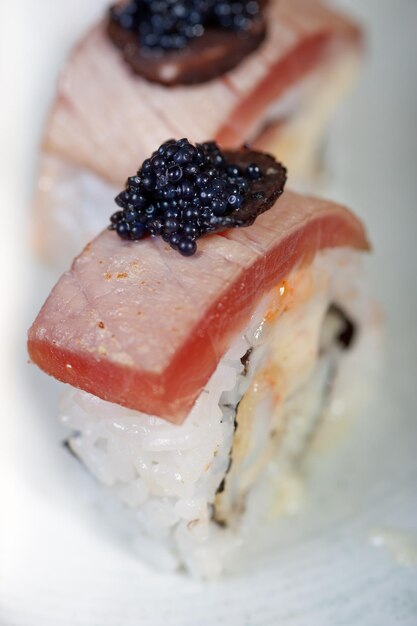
pixel 270 75
pixel 202 355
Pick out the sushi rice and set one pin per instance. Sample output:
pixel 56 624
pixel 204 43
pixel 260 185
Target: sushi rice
pixel 191 494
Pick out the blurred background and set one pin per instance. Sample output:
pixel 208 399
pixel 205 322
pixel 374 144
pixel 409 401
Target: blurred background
pixel 372 156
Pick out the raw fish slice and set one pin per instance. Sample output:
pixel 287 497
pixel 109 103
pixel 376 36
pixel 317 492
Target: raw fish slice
pixel 106 119
pixel 139 325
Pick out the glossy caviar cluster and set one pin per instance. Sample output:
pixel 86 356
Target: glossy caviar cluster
pixel 164 25
pixel 182 193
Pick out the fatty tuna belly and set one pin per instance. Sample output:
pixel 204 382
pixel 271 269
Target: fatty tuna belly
pixel 141 326
pixel 72 203
pixel 108 120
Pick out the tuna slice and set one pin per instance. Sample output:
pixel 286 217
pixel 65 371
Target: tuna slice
pixel 139 325
pixel 102 109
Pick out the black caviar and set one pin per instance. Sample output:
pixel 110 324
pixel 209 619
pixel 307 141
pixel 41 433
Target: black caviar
pixel 185 191
pixel 166 25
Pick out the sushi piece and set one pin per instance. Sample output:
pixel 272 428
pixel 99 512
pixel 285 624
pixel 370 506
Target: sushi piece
pixel 275 85
pixel 196 381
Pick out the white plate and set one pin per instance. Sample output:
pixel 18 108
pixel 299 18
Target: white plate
pixel 57 564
